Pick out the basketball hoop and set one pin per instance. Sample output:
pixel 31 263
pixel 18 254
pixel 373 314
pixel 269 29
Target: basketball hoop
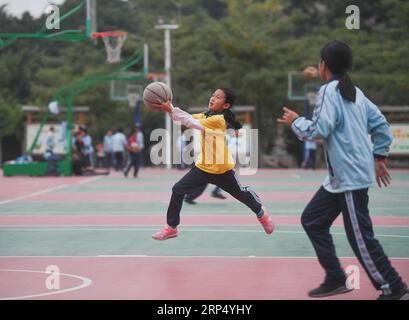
pixel 134 94
pixel 133 99
pixel 156 76
pixel 113 41
pixel 299 86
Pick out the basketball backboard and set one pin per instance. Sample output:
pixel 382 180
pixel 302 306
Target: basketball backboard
pixel 120 89
pixel 299 86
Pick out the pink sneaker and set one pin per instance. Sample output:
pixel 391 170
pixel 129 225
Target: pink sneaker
pixel 266 222
pixel 165 233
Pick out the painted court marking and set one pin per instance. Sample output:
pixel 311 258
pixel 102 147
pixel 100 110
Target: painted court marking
pixel 38 193
pixel 89 180
pixel 128 283
pixel 179 256
pixel 34 194
pixel 212 257
pixel 86 282
pixel 46 227
pixel 196 211
pixel 23 219
pixel 184 230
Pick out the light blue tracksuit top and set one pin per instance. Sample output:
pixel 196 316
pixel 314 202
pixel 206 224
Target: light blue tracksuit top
pixel 344 126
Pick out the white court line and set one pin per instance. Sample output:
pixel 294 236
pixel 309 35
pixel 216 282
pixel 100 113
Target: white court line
pixel 138 227
pixel 295 176
pixel 89 180
pixel 181 256
pixel 111 213
pixel 86 282
pixel 123 256
pixel 34 194
pixel 222 257
pixel 182 229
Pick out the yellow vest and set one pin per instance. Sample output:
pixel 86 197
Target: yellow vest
pixel 215 156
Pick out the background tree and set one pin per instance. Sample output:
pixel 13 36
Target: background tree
pixel 250 45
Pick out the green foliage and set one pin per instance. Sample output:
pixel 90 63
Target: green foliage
pixel 10 119
pixel 250 45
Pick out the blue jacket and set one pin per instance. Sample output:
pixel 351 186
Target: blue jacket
pixel 344 126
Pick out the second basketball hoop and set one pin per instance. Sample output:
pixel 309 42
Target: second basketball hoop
pixel 113 40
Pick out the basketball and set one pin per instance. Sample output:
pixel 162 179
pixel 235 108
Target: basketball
pixel 310 73
pixel 155 94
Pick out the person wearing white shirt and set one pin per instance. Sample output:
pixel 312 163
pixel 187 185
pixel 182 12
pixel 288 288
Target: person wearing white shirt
pixel 88 148
pixel 118 148
pixel 109 156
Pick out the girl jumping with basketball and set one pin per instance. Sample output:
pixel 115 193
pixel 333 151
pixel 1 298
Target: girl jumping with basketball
pixel 214 164
pixel 344 118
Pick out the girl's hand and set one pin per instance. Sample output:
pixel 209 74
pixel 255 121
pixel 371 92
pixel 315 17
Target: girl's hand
pixel 288 116
pixel 382 174
pixel 166 106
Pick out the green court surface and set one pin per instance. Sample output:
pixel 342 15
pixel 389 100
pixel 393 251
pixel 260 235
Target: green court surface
pixel 288 241
pixel 114 217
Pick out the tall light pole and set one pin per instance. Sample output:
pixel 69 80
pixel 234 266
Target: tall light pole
pixel 168 66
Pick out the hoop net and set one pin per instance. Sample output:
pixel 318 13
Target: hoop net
pixel 134 93
pixel 133 99
pixel 113 41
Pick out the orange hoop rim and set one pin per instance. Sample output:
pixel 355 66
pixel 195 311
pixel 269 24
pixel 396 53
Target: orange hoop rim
pixel 153 75
pixel 107 34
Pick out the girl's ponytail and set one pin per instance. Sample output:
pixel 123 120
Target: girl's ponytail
pixel 338 58
pixel 230 118
pixel 229 115
pixel 346 87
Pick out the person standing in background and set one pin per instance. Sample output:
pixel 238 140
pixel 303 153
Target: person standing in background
pixel 109 155
pixel 50 143
pixel 88 148
pixel 311 154
pixel 135 146
pixel 118 148
pixel 100 156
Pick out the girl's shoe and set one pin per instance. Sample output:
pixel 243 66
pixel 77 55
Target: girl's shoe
pixel 166 233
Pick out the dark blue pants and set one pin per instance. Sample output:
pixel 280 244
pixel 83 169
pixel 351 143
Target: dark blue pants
pixel 134 161
pixel 196 179
pixel 317 219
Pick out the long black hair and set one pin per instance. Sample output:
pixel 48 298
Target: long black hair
pixel 228 114
pixel 337 56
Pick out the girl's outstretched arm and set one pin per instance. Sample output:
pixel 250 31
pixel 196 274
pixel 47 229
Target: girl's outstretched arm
pixel 183 117
pixel 323 120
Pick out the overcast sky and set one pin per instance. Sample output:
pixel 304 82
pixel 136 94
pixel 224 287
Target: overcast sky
pixel 35 7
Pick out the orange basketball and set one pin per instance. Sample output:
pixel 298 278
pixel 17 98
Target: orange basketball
pixel 310 73
pixel 155 94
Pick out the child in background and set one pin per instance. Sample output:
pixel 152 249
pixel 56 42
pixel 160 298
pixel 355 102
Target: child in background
pixel 100 155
